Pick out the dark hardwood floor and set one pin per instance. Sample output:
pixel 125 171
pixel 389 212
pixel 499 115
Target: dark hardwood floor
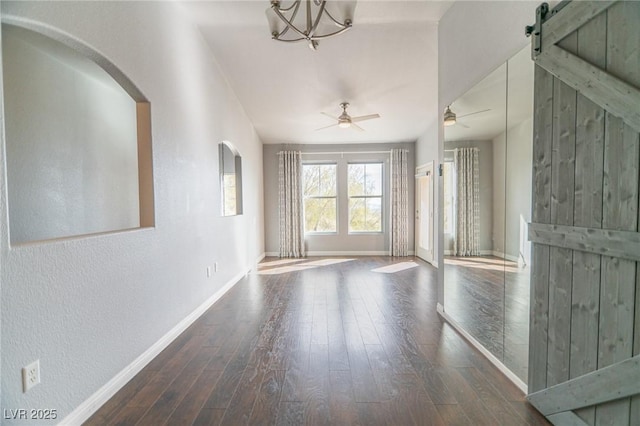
pixel 489 298
pixel 321 341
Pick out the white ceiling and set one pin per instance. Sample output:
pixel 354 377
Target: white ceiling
pixel 386 64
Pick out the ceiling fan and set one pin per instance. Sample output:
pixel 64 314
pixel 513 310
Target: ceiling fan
pixel 450 117
pixel 345 121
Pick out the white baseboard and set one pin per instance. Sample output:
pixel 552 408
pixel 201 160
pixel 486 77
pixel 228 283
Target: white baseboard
pixel 501 255
pixel 492 358
pixel 341 253
pixel 95 401
pixel 489 253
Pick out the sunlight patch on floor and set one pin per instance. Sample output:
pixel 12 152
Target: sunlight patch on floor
pixel 265 268
pixel 396 267
pixel 326 262
pixel 487 266
pixel 284 269
pixel 278 263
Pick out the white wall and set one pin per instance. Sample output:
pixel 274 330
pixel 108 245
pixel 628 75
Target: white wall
pixel 87 307
pixel 513 160
pixel 427 145
pixel 342 241
pixel 518 185
pixel 474 37
pixel 72 165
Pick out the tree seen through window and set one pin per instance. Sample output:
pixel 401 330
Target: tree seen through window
pixel 319 190
pixel 365 197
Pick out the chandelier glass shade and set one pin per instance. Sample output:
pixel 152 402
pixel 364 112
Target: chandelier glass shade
pixel 307 20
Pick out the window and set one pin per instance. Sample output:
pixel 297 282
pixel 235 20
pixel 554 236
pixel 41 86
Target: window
pixel 449 197
pixel 365 197
pixel 320 206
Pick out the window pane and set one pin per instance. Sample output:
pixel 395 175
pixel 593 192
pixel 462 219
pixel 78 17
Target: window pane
pixel 311 179
pixel 320 215
pixel 319 180
pixel 365 215
pixel 327 180
pixel 357 215
pixel 374 215
pixel 356 179
pixel 373 179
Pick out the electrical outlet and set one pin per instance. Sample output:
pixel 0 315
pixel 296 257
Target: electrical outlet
pixel 215 267
pixel 30 375
pixel 208 271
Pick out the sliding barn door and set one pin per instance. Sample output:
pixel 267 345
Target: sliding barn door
pixel 584 363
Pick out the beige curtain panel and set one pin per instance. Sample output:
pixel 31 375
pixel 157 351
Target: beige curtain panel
pixel 399 202
pixel 290 204
pixel 467 240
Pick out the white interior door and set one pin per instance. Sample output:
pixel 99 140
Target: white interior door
pixel 424 212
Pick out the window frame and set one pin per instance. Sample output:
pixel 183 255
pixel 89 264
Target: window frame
pixel 321 197
pixel 365 197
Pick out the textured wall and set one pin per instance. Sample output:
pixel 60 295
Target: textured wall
pixel 87 307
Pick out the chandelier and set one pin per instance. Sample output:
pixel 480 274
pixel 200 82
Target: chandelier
pixel 313 24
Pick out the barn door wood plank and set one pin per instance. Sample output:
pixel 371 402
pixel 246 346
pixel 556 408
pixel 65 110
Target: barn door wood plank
pixel 614 382
pixel 618 244
pixel 615 95
pixel 570 18
pixel 622 158
pixel 568 418
pixel 585 297
pixel 539 298
pixel 562 206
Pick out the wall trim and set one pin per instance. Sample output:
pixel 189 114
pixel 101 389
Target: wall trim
pixel 341 253
pixel 260 258
pixel 86 409
pixel 499 254
pixel 492 358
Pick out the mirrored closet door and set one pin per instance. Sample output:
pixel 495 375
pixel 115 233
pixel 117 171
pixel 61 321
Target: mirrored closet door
pixel 487 205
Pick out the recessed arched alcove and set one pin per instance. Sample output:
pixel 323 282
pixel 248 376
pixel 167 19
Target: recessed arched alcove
pixel 78 139
pixel 230 179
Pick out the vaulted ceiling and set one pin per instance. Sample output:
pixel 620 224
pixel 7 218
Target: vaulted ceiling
pixel 386 64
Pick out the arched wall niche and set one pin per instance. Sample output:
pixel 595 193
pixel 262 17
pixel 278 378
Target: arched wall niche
pixel 230 179
pixel 78 138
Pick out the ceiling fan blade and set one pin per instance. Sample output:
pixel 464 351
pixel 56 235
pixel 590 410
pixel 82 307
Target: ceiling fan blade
pixel 463 125
pixel 355 126
pixel 365 117
pixel 326 127
pixel 473 113
pixel 330 116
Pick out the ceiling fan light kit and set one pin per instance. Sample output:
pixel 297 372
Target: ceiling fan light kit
pixel 345 121
pixel 281 22
pixel 449 117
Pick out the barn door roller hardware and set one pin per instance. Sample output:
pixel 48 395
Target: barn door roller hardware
pixel 542 14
